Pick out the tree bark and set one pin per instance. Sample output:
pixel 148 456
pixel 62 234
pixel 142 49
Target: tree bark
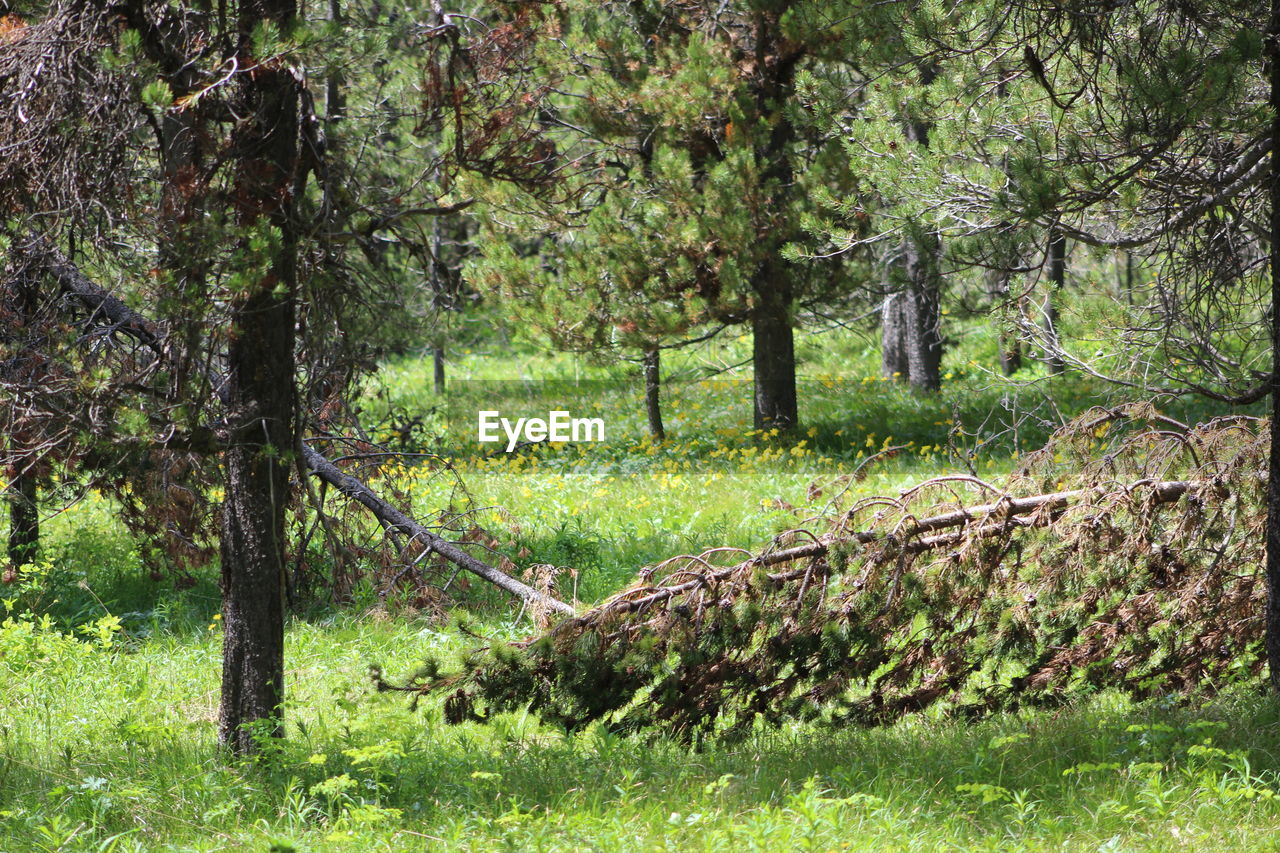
pixel 261 398
pixel 1273 471
pixel 24 519
pixel 773 352
pixel 922 308
pixel 652 392
pixel 893 328
pixel 1057 271
pixel 437 368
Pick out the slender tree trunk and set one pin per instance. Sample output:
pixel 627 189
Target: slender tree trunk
pixel 921 266
pixel 652 392
pixel 22 493
pixel 910 335
pixel 1124 278
pixel 1273 472
pixel 437 367
pixel 261 399
pixel 1010 341
pixel 1008 333
pixel 773 354
pixel 1057 264
pixel 923 310
pixel 24 519
pixel 1128 275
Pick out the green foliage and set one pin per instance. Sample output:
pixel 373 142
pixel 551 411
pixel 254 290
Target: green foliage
pixel 691 177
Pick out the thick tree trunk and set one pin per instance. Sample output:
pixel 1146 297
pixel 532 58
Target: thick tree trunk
pixel 653 392
pixel 1057 272
pixel 261 398
pixel 24 520
pixel 773 354
pixel 1273 472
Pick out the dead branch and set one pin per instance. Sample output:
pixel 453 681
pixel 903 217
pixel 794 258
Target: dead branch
pixel 397 520
pixel 103 307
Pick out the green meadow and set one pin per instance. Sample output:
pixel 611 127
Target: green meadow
pixel 109 695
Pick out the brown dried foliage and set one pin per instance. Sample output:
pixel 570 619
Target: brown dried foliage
pixel 66 120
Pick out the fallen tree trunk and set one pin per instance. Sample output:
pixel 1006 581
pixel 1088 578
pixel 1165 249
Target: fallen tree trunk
pixel 118 317
pixel 996 518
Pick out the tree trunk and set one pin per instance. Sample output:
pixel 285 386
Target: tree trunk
pixel 893 324
pixel 261 399
pixel 437 367
pixel 24 519
pixel 1057 264
pixel 652 393
pixel 773 354
pixel 893 335
pixel 922 307
pixel 1273 471
pixel 1010 341
pixel 921 260
pixel 1124 278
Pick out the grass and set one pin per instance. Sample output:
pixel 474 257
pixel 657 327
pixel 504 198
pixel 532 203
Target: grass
pixel 117 742
pixel 109 680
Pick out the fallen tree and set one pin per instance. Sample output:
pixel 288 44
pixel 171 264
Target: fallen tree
pixel 110 317
pixel 1145 577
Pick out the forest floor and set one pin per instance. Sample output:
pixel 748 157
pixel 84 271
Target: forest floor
pixel 108 680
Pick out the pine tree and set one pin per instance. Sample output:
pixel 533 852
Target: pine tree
pixel 685 139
